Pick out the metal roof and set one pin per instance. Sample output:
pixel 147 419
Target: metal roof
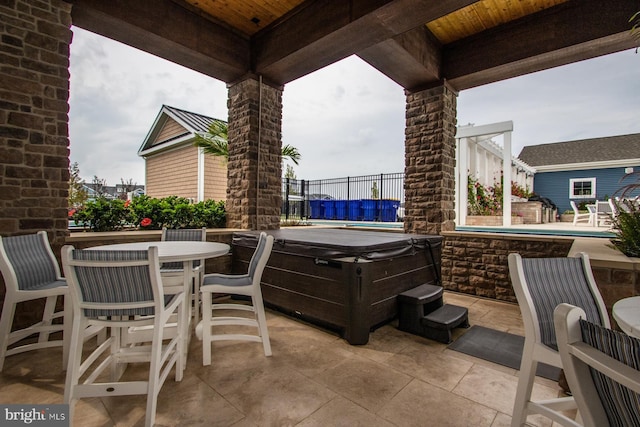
pixel 194 122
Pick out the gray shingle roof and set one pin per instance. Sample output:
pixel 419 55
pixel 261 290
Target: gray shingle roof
pixel 609 148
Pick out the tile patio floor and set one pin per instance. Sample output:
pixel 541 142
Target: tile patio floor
pixel 314 378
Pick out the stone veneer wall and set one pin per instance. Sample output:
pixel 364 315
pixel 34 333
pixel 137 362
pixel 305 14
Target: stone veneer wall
pixel 476 263
pixel 254 172
pixel 34 134
pixel 616 281
pixel 430 156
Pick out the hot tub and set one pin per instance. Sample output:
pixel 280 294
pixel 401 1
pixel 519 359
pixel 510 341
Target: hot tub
pixel 346 280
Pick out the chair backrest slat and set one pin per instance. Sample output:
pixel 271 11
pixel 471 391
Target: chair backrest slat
pixel 260 247
pixel 109 278
pixel 30 258
pixel 183 235
pixel 552 281
pixel 621 405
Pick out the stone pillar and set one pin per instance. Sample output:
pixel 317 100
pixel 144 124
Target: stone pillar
pixel 34 125
pixel 430 156
pixel 34 138
pixel 255 145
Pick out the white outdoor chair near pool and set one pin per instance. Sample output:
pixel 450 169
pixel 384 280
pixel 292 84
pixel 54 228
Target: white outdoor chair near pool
pixel 245 285
pixel 579 216
pixel 605 212
pixel 540 285
pixel 31 272
pixel 120 289
pixel 602 368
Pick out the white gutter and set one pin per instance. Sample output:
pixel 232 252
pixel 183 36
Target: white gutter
pixel 166 146
pixel 589 165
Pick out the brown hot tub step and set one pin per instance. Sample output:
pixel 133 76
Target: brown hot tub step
pixel 421 294
pixel 416 303
pixel 438 325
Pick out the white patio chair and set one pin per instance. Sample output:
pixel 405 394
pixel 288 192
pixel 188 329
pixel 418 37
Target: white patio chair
pixel 615 206
pixel 31 272
pixel 540 285
pixel 579 216
pixel 172 272
pixel 602 368
pixel 246 285
pixel 120 289
pixel 604 212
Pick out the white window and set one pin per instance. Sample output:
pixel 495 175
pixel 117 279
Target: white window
pixel 582 188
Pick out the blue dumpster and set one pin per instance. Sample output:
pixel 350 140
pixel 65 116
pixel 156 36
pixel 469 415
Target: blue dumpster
pixel 388 210
pixel 329 209
pixel 341 209
pixel 369 209
pixel 355 210
pixel 317 211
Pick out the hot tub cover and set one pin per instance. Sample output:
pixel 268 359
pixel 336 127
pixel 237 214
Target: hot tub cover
pixel 340 243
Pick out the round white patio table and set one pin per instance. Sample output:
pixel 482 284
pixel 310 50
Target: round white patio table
pixel 171 251
pixel 627 314
pixel 177 251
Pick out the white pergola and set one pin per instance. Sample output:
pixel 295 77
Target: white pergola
pixel 479 156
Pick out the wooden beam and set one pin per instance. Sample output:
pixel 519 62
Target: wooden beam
pixel 165 29
pixel 325 31
pixel 570 32
pixel 411 59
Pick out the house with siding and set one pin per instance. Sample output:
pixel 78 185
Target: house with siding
pixel 118 191
pixel 583 170
pixel 174 166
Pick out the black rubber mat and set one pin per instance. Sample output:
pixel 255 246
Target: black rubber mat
pixel 498 347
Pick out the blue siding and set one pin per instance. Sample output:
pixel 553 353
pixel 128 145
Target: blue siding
pixel 555 185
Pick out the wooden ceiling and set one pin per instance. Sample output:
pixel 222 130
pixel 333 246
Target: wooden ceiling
pixel 483 15
pixel 417 43
pixel 246 16
pixel 250 16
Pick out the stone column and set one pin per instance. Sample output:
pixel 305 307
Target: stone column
pixel 430 155
pixel 34 134
pixel 255 144
pixel 34 125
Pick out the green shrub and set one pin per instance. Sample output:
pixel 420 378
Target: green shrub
pixel 149 213
pixel 103 214
pixel 210 214
pixel 626 227
pixel 626 224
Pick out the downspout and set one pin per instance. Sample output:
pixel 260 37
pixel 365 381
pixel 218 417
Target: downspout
pixel 200 174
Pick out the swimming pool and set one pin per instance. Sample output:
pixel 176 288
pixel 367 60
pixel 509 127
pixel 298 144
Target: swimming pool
pixel 539 231
pixel 530 230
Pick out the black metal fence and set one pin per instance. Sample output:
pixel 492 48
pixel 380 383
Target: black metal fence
pixel 359 198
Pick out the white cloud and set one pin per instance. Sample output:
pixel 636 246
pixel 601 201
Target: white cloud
pixel 116 94
pixel 346 119
pixel 588 99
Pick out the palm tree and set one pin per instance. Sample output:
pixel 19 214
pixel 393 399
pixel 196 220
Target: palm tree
pixel 214 142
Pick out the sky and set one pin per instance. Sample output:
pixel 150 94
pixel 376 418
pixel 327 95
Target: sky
pixel 346 119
